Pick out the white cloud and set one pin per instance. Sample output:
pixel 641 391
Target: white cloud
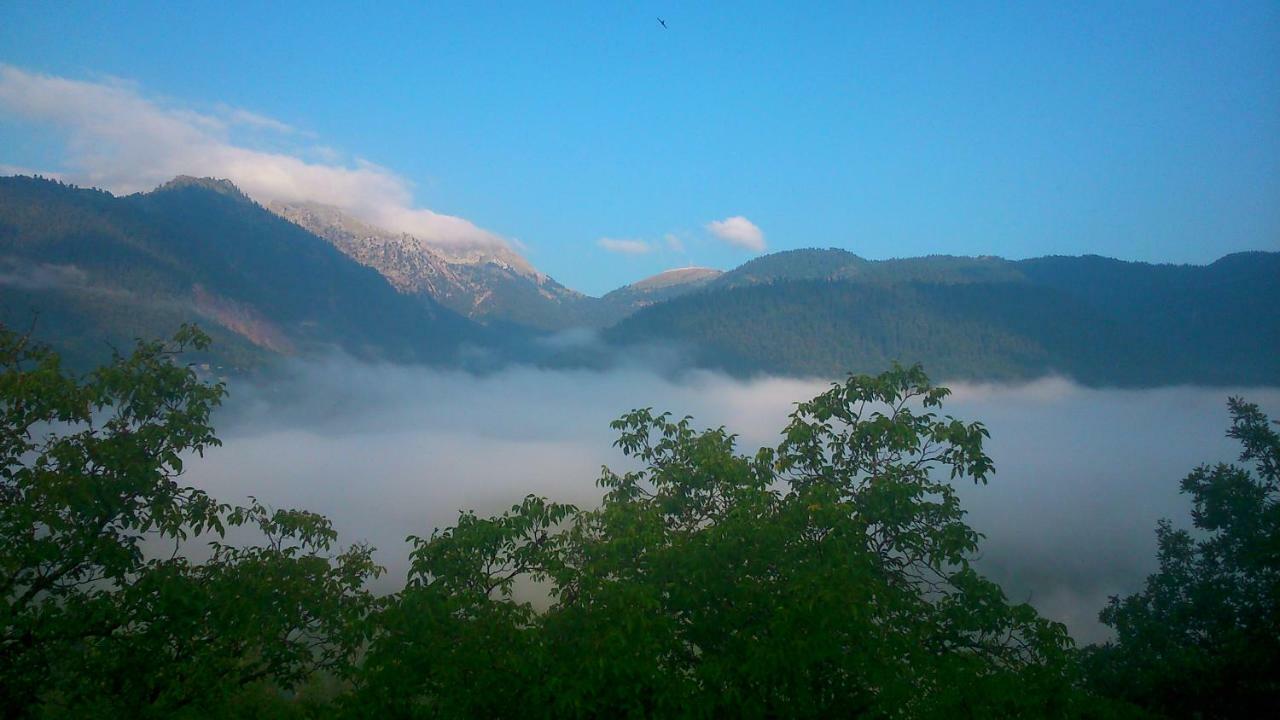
pixel 674 243
pixel 626 247
pixel 119 140
pixel 240 116
pixel 738 231
pixel 387 451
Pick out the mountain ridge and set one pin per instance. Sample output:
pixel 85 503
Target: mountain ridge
pixel 101 270
pixel 1099 320
pixel 485 284
pixel 194 251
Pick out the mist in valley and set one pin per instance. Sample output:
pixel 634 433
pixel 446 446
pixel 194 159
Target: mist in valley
pixel 387 451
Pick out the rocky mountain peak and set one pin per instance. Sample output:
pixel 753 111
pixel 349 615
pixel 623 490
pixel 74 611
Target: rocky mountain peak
pixel 677 276
pixel 478 281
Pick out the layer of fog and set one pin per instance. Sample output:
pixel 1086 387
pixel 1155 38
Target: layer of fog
pixel 385 451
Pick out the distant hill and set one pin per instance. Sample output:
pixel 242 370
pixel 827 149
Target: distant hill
pixel 1104 322
pixel 653 290
pixel 94 270
pixel 789 265
pixel 842 265
pixel 683 279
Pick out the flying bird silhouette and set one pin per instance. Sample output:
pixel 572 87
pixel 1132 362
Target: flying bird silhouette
pixel 663 23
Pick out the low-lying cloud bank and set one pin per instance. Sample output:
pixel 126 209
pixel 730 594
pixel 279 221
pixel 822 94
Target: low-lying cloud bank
pixel 388 451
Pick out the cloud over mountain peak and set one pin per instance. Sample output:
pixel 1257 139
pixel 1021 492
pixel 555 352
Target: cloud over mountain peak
pixel 121 140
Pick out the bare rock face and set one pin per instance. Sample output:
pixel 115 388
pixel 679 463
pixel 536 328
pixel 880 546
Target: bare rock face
pixel 658 288
pixel 482 282
pixel 488 283
pixel 408 264
pixel 678 277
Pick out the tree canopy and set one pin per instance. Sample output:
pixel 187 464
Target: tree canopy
pixel 830 575
pixel 101 613
pixel 1202 639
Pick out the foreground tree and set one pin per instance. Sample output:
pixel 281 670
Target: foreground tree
pixel 97 618
pixel 827 577
pixel 1202 639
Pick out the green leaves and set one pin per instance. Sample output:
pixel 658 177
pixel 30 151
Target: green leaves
pixel 482 556
pixel 1203 637
pixel 94 618
pixel 827 576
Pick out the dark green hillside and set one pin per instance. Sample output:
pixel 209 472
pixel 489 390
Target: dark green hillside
pixel 1100 321
pixel 99 270
pixel 818 327
pixel 790 265
pixel 89 272
pixel 945 269
pixel 836 264
pixel 1218 323
pixel 313 291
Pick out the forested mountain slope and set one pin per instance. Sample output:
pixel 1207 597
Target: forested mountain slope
pixel 837 264
pixel 1218 323
pixel 1101 321
pixel 90 269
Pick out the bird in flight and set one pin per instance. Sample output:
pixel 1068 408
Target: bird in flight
pixel 663 23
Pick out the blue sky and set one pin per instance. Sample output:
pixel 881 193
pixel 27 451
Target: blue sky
pixel 1135 130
